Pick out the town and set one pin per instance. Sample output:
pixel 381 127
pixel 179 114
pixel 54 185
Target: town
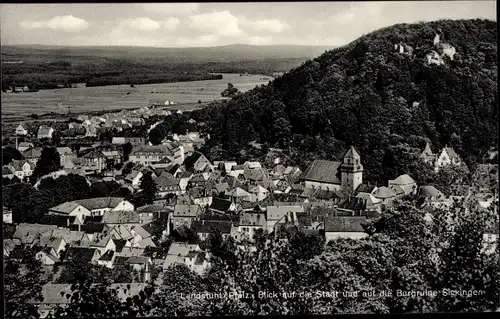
pixel 193 197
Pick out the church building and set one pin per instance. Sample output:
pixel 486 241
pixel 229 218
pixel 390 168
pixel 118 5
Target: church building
pixel 332 175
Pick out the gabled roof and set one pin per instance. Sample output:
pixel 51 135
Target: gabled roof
pixel 256 174
pixel 344 224
pixel 121 217
pixel 83 254
pixel 237 192
pixel 94 154
pixel 429 192
pixel 220 204
pixel 384 192
pixel 187 210
pixel 119 244
pixel 153 208
pixel 57 220
pixel 277 212
pixel 370 199
pixel 191 160
pixel 27 233
pixel 181 249
pixel 44 130
pixel 166 179
pixel 403 180
pixel 206 226
pixel 141 232
pixel 355 204
pixel 18 164
pixel 451 153
pixel 33 152
pixel 252 219
pixel 107 256
pixel 322 171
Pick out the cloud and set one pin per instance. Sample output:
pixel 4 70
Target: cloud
pixel 66 23
pixel 174 9
pixel 274 26
pixel 221 23
pixel 143 24
pixel 147 24
pixel 171 23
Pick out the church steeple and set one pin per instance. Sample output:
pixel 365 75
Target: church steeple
pixel 352 170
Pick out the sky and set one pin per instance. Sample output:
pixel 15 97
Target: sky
pixel 213 24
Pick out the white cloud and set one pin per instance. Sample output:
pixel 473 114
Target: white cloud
pixel 147 24
pixel 171 23
pixel 171 8
pixel 222 23
pixel 66 23
pixel 274 26
pixel 143 24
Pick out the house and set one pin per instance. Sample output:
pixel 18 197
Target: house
pixel 386 195
pixel 239 195
pixel 247 225
pixel 352 206
pixel 371 202
pixel 22 168
pixel 407 183
pixel 151 154
pixel 23 146
pixel 65 153
pixel 82 254
pixel 8 172
pixel 257 176
pixel 94 160
pixel 134 178
pixel 140 263
pixel 9 245
pixel 45 132
pixel 107 259
pixel 167 184
pixel 181 253
pixel 198 162
pixel 295 221
pixel 446 157
pixel 29 233
pixel 118 140
pixel 33 154
pixel 344 227
pixel 275 213
pixel 222 206
pixel 152 212
pixel 184 215
pixel 331 175
pixel 206 227
pixel 7 215
pixel 139 233
pixel 92 207
pixel 129 219
pixel 22 130
pixel 47 256
pixel 112 156
pixel 135 141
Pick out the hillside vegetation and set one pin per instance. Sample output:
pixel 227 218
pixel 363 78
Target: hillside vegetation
pixel 368 94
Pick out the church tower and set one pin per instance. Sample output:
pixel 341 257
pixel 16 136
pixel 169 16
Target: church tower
pixel 352 171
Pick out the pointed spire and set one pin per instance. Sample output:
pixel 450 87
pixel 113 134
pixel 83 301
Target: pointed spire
pixel 352 153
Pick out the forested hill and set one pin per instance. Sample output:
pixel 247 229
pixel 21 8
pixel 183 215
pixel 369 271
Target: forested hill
pixel 378 93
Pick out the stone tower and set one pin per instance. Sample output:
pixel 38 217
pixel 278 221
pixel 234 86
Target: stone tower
pixel 352 171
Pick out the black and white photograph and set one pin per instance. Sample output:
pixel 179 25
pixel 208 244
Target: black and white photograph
pixel 177 159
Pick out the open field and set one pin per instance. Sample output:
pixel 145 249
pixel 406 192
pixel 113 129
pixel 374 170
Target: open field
pixel 122 96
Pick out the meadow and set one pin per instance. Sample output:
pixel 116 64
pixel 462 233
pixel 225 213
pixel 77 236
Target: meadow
pixel 84 99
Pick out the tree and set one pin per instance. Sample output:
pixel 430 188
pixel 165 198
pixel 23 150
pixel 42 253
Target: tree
pixel 173 299
pixel 149 188
pixel 230 91
pixel 22 284
pixel 127 149
pixel 10 153
pixel 65 188
pixel 49 162
pixel 108 189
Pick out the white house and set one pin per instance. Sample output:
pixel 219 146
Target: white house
pixel 22 168
pixel 22 130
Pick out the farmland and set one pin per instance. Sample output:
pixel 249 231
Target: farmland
pixel 113 97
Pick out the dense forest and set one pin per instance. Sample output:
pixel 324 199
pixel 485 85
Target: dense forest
pixel 367 94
